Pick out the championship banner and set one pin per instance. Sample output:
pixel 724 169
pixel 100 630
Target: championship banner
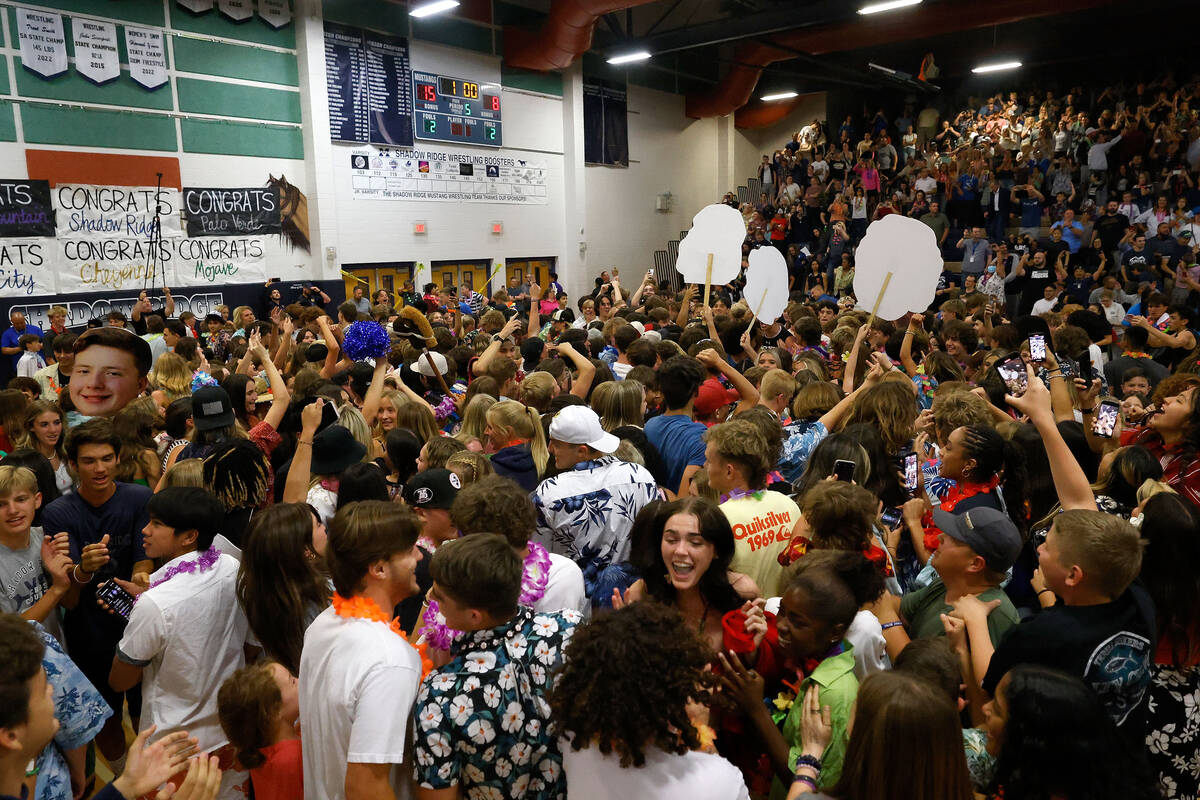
pixel 25 208
pixel 25 267
pixel 231 212
pixel 276 13
pixel 237 10
pixel 96 55
pixel 454 176
pixel 43 45
pixel 196 6
pixel 147 56
pixel 114 212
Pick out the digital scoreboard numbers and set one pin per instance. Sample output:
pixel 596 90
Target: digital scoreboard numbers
pixel 448 109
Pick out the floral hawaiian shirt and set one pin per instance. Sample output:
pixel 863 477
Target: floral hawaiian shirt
pixel 80 711
pixel 483 720
pixel 587 513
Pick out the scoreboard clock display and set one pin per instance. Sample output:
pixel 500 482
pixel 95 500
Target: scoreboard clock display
pixel 449 109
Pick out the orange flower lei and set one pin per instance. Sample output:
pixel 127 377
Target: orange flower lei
pixel 366 608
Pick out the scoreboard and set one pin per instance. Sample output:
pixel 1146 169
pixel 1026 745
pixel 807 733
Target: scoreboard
pixel 449 109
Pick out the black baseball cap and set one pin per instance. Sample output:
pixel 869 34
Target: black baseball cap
pixel 211 408
pixel 433 488
pixel 987 531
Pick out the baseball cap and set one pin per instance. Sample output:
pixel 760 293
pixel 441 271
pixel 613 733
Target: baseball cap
pixel 987 531
pixel 563 315
pixel 433 488
pixel 211 408
pixel 711 396
pixel 581 425
pixel 421 365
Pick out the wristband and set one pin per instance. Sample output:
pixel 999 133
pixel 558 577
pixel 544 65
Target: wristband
pixel 893 624
pixel 806 780
pixel 75 575
pixel 1043 591
pixel 805 760
pixel 304 441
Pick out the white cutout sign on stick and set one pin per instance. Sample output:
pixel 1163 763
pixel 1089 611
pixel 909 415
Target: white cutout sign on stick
pixel 766 285
pixel 712 250
pixel 896 267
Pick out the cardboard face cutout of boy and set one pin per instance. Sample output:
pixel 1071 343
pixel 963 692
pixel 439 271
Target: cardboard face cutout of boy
pixel 717 231
pixel 766 284
pixel 896 267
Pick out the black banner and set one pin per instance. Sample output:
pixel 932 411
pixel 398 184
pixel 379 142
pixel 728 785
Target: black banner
pixel 345 79
pixel 389 90
pixel 25 209
pixel 232 212
pixel 605 124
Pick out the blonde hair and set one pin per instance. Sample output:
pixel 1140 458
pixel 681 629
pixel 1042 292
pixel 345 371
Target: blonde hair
pixel 1107 547
pixel 537 390
pixel 475 418
pixel 469 467
pixel 17 479
pixel 777 382
pixel 522 422
pixel 173 375
pixel 57 311
pixel 398 401
pixel 188 472
pixel 626 451
pixel 352 420
pixel 236 316
pixel 619 403
pixel 1151 487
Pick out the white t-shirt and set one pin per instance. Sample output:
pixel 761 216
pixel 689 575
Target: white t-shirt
pixel 358 683
pixel 620 370
pixel 1044 306
pixel 564 588
pixel 693 775
pixel 928 185
pixel 870 650
pixel 187 634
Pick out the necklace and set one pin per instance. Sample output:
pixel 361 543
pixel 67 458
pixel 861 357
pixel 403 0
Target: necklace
pixel 360 607
pixel 203 563
pixel 534 577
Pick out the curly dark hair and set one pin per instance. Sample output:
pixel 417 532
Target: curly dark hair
pixel 627 680
pixel 495 505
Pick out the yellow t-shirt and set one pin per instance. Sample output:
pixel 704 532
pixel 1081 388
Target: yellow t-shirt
pixel 762 529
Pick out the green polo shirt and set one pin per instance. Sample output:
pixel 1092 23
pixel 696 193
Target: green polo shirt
pixel 838 690
pixel 922 612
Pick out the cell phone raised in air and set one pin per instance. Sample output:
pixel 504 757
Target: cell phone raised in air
pixel 843 470
pixel 1037 348
pixel 1012 372
pixel 116 598
pixel 1105 422
pixel 909 462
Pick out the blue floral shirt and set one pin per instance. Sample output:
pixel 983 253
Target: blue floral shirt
pixel 483 720
pixel 800 439
pixel 587 513
pixel 81 713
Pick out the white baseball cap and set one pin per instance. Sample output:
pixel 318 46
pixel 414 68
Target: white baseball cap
pixel 581 425
pixel 421 365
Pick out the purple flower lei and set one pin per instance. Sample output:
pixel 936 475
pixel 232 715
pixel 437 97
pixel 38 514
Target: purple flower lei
pixel 534 577
pixel 206 561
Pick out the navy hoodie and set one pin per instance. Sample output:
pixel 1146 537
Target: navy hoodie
pixel 515 462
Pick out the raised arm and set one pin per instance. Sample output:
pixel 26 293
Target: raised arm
pixel 749 395
pixel 689 294
pixel 585 370
pixel 1070 481
pixel 485 358
pixel 279 391
pixel 915 324
pixel 534 326
pixel 375 391
pixel 295 490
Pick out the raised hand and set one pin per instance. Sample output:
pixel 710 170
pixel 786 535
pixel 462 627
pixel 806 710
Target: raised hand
pixel 94 556
pixel 148 766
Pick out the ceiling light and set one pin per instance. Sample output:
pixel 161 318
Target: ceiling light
pixel 996 67
pixel 778 96
pixel 887 5
pixel 436 7
pixel 627 58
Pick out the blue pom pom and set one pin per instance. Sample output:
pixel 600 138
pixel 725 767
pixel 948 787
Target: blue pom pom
pixel 366 340
pixel 202 379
